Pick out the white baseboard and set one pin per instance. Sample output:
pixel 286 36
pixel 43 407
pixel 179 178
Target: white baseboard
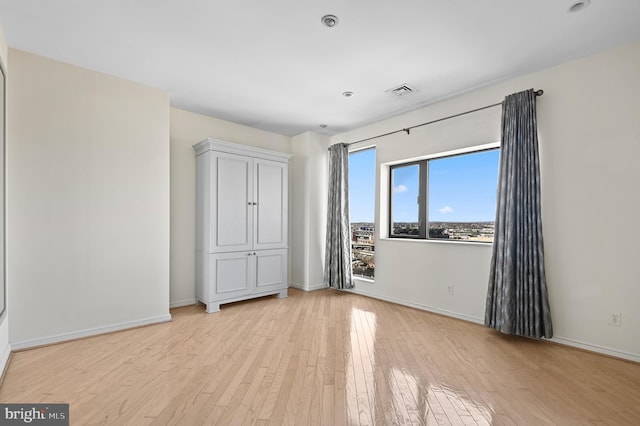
pixel 308 288
pixel 596 348
pixel 315 287
pixel 558 339
pixel 5 358
pixel 25 344
pixel 180 303
pixel 419 306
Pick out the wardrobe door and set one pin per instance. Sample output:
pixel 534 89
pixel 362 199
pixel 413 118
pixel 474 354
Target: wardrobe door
pixel 232 202
pixel 270 195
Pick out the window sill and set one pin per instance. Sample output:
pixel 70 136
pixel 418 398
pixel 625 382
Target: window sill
pixel 434 241
pixel 362 280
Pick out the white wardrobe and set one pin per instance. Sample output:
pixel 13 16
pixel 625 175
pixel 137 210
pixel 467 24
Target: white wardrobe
pixel 241 222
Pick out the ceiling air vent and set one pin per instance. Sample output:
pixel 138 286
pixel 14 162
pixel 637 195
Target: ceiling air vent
pixel 402 90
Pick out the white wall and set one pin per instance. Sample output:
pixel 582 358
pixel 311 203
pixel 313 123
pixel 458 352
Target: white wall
pixel 589 130
pixel 188 128
pixel 88 202
pixel 89 194
pixel 5 347
pixel 309 170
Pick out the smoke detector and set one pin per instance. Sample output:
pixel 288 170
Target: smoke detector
pixel 329 21
pixel 402 90
pixel 579 5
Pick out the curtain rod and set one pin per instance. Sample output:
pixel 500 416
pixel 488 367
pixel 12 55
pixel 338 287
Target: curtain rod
pixel 538 92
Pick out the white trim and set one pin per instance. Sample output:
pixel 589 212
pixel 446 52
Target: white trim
pixel 211 144
pixel 435 241
pixel 450 153
pixel 616 353
pixel 360 148
pixel 5 359
pixel 315 287
pixel 181 303
pixel 565 341
pixel 57 338
pixel 308 288
pixel 419 306
pixel 359 279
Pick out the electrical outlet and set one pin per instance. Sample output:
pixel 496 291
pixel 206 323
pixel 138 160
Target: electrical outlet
pixel 615 318
pixel 450 290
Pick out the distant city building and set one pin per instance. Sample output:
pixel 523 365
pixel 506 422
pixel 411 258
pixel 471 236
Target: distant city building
pixel 362 236
pixel 363 249
pixel 466 231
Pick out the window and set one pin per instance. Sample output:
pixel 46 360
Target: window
pixel 362 178
pixel 445 198
pixel 405 200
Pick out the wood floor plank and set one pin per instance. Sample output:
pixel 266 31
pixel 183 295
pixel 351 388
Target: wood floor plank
pixel 276 380
pixel 323 358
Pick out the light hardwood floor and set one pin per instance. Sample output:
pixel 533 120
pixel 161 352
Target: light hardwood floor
pixel 323 358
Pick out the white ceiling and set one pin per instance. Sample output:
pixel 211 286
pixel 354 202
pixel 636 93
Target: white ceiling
pixel 272 65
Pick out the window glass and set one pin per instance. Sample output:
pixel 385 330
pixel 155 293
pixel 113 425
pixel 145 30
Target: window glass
pixel 462 196
pixel 405 181
pixel 362 178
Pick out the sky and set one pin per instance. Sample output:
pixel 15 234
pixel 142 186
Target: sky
pixel 362 192
pixel 461 188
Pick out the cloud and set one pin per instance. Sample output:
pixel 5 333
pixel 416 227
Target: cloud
pixel 400 188
pixel 445 210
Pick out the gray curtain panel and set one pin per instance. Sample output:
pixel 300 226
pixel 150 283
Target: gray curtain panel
pixel 517 301
pixel 337 263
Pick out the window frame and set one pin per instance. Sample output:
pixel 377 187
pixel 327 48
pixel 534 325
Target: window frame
pixel 423 193
pixel 423 172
